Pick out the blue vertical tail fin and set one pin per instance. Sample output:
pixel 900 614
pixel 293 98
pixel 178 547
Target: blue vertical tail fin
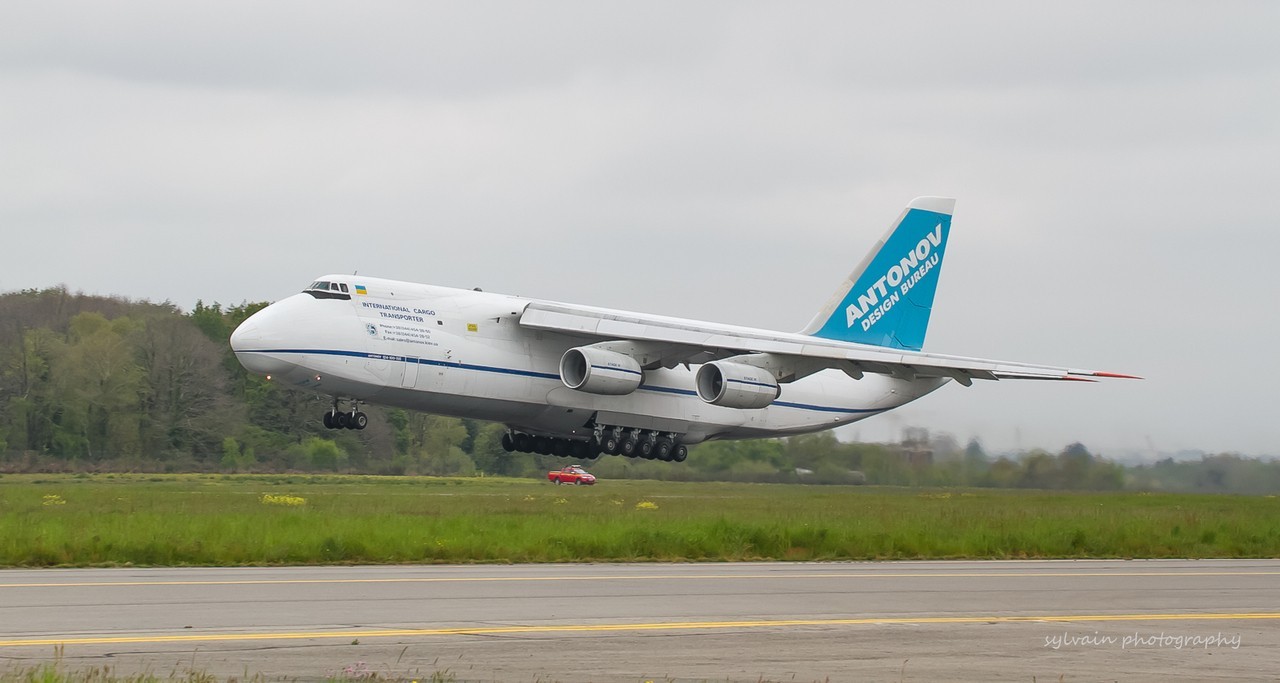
pixel 887 299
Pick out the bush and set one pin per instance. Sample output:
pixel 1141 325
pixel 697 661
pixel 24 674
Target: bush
pixel 323 454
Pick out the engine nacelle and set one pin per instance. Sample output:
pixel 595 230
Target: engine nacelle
pixel 597 371
pixel 735 385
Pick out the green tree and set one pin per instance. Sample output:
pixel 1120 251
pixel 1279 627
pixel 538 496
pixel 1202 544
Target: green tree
pixel 491 458
pixel 185 405
pixel 33 410
pixel 324 454
pixel 211 321
pixel 98 384
pixel 430 444
pixel 232 455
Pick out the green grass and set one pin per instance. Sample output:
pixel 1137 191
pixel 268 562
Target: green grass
pixel 113 519
pixel 55 671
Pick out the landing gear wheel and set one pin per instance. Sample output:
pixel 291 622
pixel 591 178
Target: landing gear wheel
pixel 328 420
pixel 663 451
pixel 559 447
pixel 522 443
pixel 508 443
pixel 610 445
pixel 541 445
pixel 341 420
pixel 628 448
pixel 680 453
pixel 358 421
pixel 646 449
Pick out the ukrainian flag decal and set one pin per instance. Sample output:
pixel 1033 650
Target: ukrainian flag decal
pixel 361 290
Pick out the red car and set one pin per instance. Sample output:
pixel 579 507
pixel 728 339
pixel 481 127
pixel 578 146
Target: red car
pixel 571 475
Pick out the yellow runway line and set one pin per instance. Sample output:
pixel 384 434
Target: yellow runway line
pixel 625 627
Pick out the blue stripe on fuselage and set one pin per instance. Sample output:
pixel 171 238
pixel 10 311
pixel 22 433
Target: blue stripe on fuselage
pixel 540 375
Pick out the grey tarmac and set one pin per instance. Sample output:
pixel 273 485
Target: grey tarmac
pixel 1069 620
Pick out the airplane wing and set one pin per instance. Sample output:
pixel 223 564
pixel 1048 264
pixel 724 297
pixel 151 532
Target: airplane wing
pixel 874 322
pixel 659 341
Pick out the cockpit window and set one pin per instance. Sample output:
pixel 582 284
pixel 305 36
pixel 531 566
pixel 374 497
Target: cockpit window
pixel 323 289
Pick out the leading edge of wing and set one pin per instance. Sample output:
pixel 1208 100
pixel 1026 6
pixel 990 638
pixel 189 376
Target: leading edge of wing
pixel 609 325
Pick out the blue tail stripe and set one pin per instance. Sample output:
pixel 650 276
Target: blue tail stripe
pixel 891 298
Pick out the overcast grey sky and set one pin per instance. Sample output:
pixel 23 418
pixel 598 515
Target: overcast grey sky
pixel 1114 165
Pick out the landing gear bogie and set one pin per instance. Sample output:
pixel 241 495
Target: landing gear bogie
pixel 336 418
pixel 520 442
pixel 631 443
pixel 638 443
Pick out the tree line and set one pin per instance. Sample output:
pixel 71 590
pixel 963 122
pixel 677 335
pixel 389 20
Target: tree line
pixel 104 383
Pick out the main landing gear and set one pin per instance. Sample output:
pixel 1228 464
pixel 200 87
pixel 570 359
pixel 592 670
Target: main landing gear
pixel 335 418
pixel 546 445
pixel 631 443
pixel 639 443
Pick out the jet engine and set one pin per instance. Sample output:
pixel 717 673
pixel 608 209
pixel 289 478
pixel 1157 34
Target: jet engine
pixel 736 385
pixel 597 371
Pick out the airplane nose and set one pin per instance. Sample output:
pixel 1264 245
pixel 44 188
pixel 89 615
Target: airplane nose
pixel 251 348
pixel 246 336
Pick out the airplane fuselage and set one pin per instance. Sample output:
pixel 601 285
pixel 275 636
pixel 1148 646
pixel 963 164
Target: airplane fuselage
pixel 464 353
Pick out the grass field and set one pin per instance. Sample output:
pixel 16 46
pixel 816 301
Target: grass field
pixel 81 520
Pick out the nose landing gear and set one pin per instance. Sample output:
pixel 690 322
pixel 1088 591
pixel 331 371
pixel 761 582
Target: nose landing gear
pixel 335 418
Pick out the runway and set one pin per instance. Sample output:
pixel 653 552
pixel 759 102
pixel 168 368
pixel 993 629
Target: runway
pixel 892 621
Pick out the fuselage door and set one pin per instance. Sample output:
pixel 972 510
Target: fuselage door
pixel 410 378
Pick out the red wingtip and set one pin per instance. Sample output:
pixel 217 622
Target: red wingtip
pixel 1115 375
pixel 1070 378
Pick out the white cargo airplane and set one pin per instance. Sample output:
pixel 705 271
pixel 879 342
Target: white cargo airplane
pixel 577 380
